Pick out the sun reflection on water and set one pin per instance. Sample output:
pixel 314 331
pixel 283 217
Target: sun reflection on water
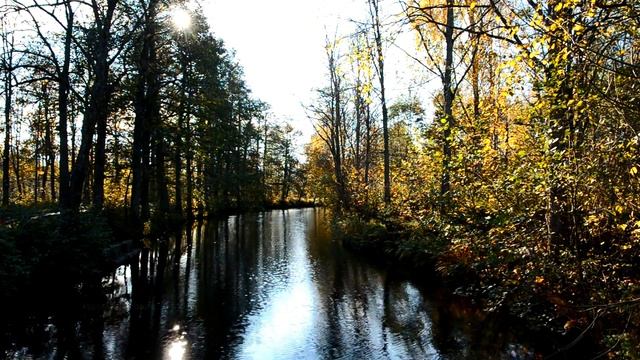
pixel 177 349
pixel 177 346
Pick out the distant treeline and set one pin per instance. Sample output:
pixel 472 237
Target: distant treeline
pixel 110 103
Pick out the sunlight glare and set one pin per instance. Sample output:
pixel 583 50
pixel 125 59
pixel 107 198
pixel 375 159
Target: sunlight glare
pixel 177 349
pixel 181 18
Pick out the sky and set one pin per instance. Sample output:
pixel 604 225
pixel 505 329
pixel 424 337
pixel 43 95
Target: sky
pixel 280 44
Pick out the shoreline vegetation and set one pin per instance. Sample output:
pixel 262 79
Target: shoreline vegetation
pixel 578 325
pixel 36 242
pixel 44 252
pixel 516 180
pixel 46 247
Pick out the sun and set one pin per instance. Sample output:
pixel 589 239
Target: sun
pixel 181 18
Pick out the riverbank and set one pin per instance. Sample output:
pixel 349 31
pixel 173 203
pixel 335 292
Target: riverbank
pixel 202 214
pixel 84 245
pixel 33 235
pixel 49 264
pixel 229 282
pixel 533 291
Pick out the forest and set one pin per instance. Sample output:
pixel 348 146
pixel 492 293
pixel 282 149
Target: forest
pixel 121 120
pixel 521 185
pixel 516 181
pixel 134 105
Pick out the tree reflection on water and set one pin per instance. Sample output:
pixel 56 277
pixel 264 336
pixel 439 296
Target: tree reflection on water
pixel 271 285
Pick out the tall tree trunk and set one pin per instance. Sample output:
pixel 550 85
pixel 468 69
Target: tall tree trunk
pixel 81 166
pixel 88 184
pixel 15 160
pixel 558 74
pixel 117 170
pixel 45 172
pixel 447 82
pixel 7 64
pixel 471 165
pixel 160 171
pixel 240 177
pixel 153 104
pixel 179 133
pixel 98 107
pixel 359 102
pixel 375 14
pixel 337 129
pixel 264 160
pixel 367 158
pixel 51 156
pixel 138 167
pixel 285 176
pixel 99 163
pixel 178 166
pixel 146 173
pixel 189 171
pixel 143 118
pixel 8 92
pixel 36 155
pixel 64 86
pixel 475 70
pixel 189 155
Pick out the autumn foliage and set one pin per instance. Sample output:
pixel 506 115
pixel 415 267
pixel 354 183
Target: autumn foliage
pixel 525 187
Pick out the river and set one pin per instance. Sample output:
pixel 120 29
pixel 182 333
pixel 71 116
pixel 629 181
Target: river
pixel 275 285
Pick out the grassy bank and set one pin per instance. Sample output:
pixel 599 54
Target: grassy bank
pixel 42 249
pixel 38 245
pixel 540 290
pixel 49 264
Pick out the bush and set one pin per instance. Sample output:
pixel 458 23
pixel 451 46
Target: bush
pixel 48 253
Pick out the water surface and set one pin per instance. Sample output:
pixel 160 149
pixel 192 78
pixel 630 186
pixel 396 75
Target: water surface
pixel 275 285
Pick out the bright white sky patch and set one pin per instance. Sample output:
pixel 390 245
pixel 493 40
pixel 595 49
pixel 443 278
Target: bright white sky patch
pixel 280 44
pixel 180 18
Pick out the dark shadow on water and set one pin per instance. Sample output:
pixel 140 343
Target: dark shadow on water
pixel 270 285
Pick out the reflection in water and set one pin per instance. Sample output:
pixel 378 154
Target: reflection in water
pixel 177 349
pixel 275 286
pixel 176 345
pixel 281 325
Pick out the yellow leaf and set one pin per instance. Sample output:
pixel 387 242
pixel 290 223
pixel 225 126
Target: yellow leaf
pixel 472 5
pixel 633 171
pixel 578 28
pixel 558 7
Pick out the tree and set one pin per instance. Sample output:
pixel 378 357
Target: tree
pixel 374 11
pixel 147 115
pixel 8 67
pixel 98 110
pixel 438 32
pixel 362 68
pixel 329 115
pixel 114 70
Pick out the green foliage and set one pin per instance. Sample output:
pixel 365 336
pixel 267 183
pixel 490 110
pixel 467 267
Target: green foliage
pixel 43 253
pixel 359 232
